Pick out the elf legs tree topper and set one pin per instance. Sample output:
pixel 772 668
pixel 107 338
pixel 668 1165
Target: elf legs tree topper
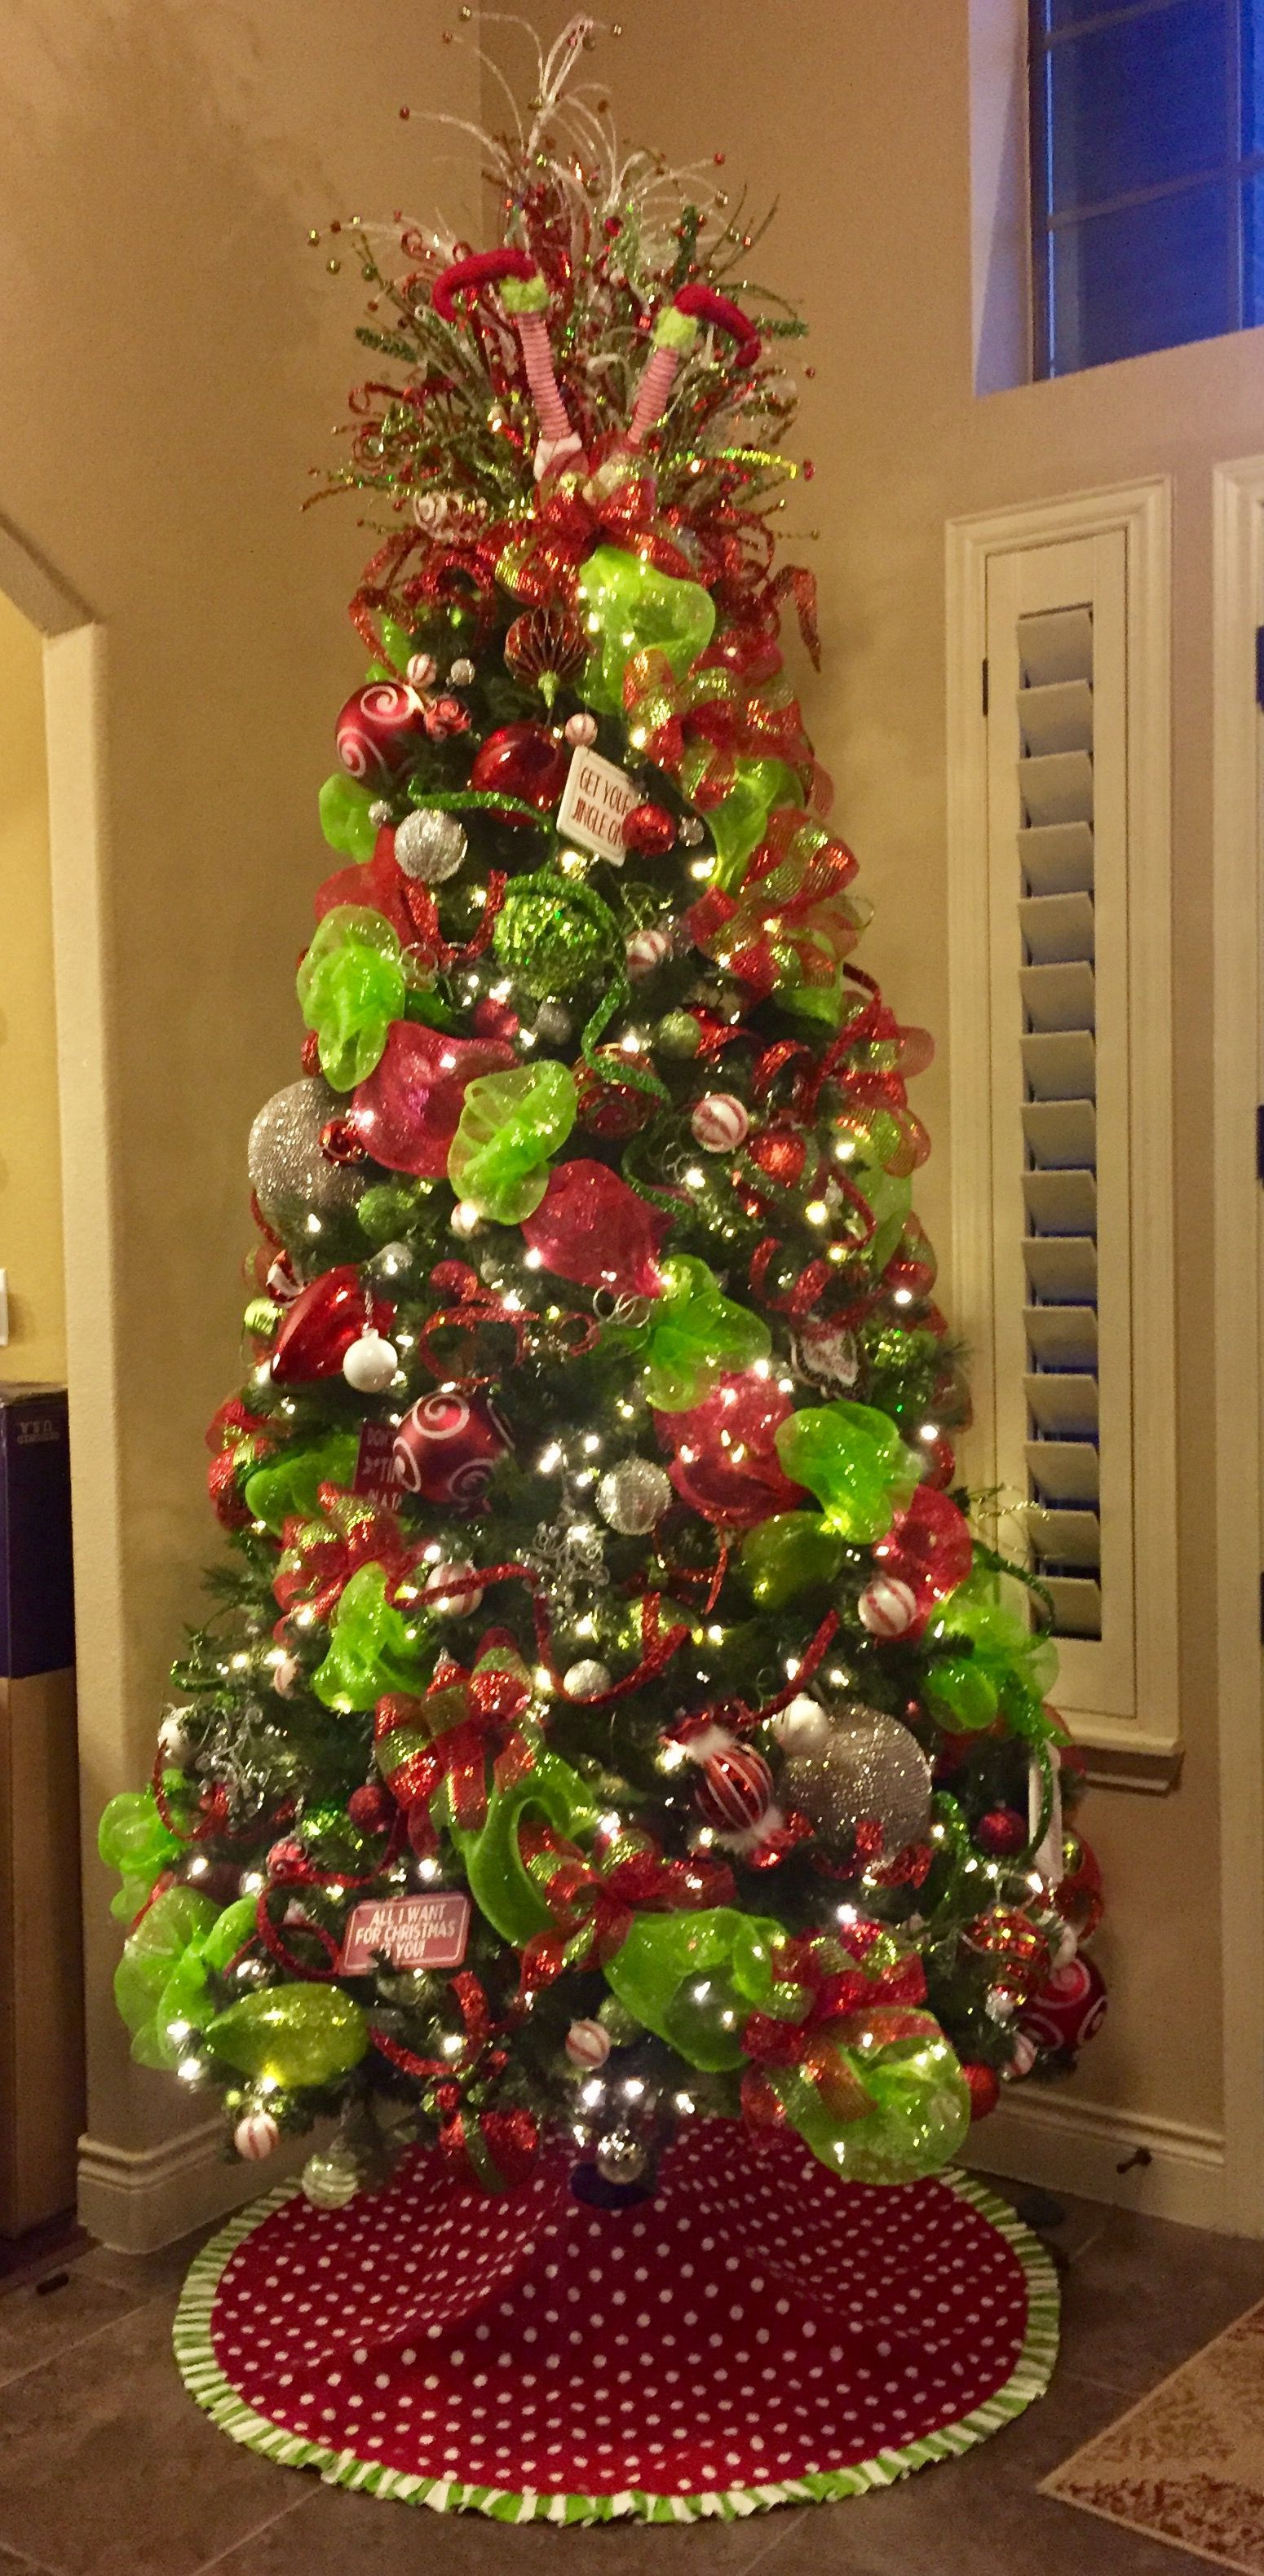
pixel 614 1711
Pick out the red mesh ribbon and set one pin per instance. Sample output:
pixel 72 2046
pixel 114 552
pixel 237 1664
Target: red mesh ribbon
pixel 788 917
pixel 448 1734
pixel 540 556
pixel 594 1905
pixel 319 1557
pixel 697 728
pixel 238 1440
pixel 844 2007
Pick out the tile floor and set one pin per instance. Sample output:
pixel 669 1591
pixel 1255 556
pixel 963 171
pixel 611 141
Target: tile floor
pixel 106 2469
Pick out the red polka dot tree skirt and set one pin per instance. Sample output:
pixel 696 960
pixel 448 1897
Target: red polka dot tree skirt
pixel 757 2334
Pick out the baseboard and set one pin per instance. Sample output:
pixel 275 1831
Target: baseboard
pixel 138 2199
pixel 1096 2151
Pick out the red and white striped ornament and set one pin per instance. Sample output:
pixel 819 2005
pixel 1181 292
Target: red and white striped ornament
pixel 581 729
pixel 888 1607
pixel 587 2045
pixel 647 949
pixel 734 1789
pixel 720 1122
pixel 256 2136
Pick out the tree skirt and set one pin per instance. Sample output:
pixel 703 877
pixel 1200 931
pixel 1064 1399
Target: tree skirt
pixel 757 2334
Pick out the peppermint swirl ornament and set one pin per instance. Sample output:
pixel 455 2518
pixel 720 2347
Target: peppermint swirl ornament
pixel 447 1448
pixel 256 2136
pixel 721 1122
pixel 377 732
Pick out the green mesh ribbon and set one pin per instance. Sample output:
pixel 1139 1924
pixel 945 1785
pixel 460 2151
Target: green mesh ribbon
pixel 350 988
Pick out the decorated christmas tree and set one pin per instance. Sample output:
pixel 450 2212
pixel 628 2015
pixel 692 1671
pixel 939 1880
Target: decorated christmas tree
pixel 613 1712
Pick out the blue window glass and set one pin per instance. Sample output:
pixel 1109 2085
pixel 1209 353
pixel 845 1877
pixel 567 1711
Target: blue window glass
pixel 1147 175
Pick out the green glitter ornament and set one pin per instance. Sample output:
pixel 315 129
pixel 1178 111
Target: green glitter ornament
pixel 555 936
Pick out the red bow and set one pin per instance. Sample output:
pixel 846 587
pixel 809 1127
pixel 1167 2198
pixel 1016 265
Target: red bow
pixel 448 1734
pixel 594 1907
pixel 319 1557
pixel 697 728
pixel 239 1440
pixel 788 919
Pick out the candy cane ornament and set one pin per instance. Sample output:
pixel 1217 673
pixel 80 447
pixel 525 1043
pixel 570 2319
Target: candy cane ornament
pixel 525 297
pixel 675 333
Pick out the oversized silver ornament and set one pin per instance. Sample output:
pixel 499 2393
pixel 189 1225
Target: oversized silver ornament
pixel 869 1770
pixel 330 2180
pixel 294 1181
pixel 430 845
pixel 633 1496
pixel 621 2156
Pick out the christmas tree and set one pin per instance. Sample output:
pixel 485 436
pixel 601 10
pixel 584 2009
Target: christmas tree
pixel 612 1712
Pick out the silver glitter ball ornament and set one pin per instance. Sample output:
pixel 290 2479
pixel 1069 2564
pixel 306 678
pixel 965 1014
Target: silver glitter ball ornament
pixel 553 1022
pixel 430 845
pixel 330 2180
pixel 293 1180
pixel 621 2156
pixel 869 1770
pixel 633 1496
pixel 380 812
pixel 586 1679
pixel 691 831
pixel 462 672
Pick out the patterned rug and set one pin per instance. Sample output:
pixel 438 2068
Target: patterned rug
pixel 757 2334
pixel 1186 2463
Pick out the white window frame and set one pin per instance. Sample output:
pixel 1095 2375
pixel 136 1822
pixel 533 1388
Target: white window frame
pixel 1141 1742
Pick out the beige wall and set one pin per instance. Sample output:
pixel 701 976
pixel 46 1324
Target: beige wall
pixel 30 1146
pixel 175 357
pixel 856 118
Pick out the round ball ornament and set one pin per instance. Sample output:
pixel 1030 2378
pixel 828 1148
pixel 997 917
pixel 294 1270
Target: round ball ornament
pixel 870 1770
pixel 586 1680
pixel 678 1035
pixel 622 2156
pixel 984 2088
pixel 521 760
pixel 720 1122
pixel 553 1023
pixel 378 730
pixel 554 937
pixel 649 831
pixel 581 730
pixel 438 1594
pixel 285 1673
pixel 1068 2008
pixel 888 1607
pixel 430 845
pixel 647 950
pixel 175 1743
pixel 465 1219
pixel 1078 1895
pixel 587 2045
pixel 420 670
pixel 545 646
pixel 803 1727
pixel 1023 2058
pixel 370 1365
pixel 447 1449
pixel 329 2181
pixel 1015 1948
pixel 371 1808
pixel 291 1175
pixel 1001 1832
pixel 734 1789
pixel 632 1497
pixel 256 2136
pixel 462 672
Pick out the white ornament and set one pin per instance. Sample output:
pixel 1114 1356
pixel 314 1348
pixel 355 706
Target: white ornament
pixel 720 1122
pixel 370 1364
pixel 421 669
pixel 586 1680
pixel 174 1740
pixel 466 1219
pixel 1023 2059
pixel 580 730
pixel 462 672
pixel 633 1496
pixel 1066 1943
pixel 329 2182
pixel 647 949
pixel 283 1287
pixel 256 2136
pixel 803 1727
pixel 587 2045
pixel 887 1607
pixel 438 1595
pixel 284 1675
pixel 430 845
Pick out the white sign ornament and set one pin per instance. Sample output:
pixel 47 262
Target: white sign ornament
pixel 595 805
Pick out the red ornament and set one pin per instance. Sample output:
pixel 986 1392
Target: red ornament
pixel 321 1324
pixel 545 645
pixel 889 1607
pixel 734 1790
pixel 941 1463
pixel 287 1864
pixel 611 1108
pixel 339 1142
pixel 726 1464
pixel 650 831
pixel 1078 1895
pixel 447 1448
pixel 407 1112
pixel 1002 1832
pixel 378 732
pixel 1068 2009
pixel 591 1228
pixel 521 760
pixel 984 2087
pixel 372 1808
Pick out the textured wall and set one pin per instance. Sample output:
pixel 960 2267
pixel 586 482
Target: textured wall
pixel 30 1149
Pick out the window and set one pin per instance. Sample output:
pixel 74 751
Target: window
pixel 1147 157
pixel 1062 1226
